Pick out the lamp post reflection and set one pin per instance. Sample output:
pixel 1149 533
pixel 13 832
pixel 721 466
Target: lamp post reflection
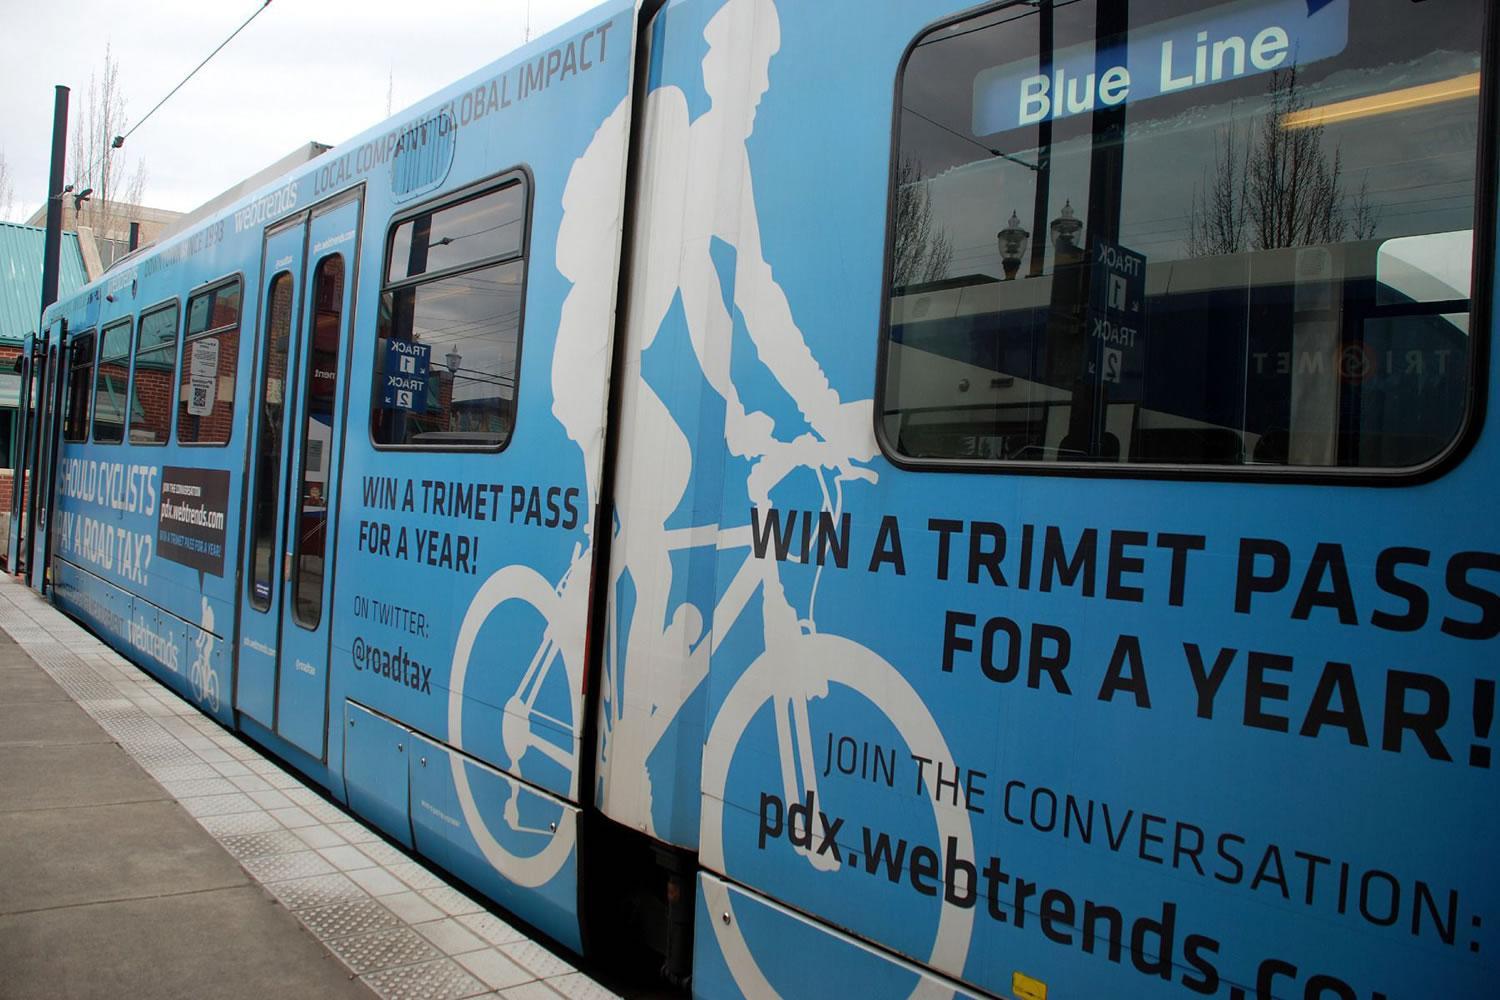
pixel 1012 241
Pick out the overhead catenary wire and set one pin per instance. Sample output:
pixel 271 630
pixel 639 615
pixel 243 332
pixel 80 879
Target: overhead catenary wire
pixel 119 140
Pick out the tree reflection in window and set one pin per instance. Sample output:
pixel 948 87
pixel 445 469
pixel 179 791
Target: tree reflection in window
pixel 1259 200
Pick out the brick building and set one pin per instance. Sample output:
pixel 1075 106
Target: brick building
pixel 109 238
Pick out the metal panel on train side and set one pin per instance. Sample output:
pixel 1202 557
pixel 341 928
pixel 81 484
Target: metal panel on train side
pixel 1135 778
pixel 462 581
pixel 149 520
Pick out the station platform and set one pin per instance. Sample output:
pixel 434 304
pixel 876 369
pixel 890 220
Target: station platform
pixel 146 852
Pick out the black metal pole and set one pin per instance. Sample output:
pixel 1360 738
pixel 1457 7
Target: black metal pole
pixel 1043 145
pixel 52 248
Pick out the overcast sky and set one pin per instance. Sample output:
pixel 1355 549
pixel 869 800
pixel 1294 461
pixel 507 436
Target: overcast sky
pixel 304 70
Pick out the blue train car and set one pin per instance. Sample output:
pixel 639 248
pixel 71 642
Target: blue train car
pixel 916 498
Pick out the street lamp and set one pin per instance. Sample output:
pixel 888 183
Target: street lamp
pixel 1065 229
pixel 452 360
pixel 1012 244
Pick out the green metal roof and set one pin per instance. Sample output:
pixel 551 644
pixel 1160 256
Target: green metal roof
pixel 21 277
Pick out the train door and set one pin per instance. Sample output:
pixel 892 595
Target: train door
pixel 50 393
pixel 284 633
pixel 260 600
pixel 26 428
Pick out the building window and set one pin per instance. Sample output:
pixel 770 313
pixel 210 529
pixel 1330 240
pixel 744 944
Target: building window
pixel 110 250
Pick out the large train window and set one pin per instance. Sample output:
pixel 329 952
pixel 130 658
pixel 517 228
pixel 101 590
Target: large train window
pixel 112 383
pixel 210 355
pixel 155 376
pixel 272 393
pixel 80 385
pixel 450 323
pixel 1236 234
pixel 320 378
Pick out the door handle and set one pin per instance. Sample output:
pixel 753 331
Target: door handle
pixel 286 568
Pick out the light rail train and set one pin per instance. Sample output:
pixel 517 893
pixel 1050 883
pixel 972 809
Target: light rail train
pixel 895 497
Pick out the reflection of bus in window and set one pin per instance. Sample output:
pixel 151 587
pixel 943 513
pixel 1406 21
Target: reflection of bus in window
pixel 1276 195
pixel 1349 355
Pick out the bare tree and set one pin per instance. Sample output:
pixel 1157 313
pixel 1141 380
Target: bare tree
pixel 7 190
pixel 1285 190
pixel 1365 216
pixel 921 251
pixel 97 163
pixel 1216 224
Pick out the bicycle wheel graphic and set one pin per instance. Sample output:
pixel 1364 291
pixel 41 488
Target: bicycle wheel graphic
pixel 210 689
pixel 821 660
pixel 526 585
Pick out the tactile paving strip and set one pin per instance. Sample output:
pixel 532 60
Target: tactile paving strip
pixel 348 919
pixel 254 845
pixel 292 839
pixel 440 980
pixel 384 949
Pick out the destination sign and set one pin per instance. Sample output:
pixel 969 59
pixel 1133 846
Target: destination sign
pixel 1214 45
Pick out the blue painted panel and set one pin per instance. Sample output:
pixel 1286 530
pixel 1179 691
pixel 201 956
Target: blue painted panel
pixel 512 842
pixel 183 656
pixel 463 578
pixel 375 771
pixel 255 681
pixel 1023 770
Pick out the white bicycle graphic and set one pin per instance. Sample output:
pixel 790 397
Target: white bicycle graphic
pixel 797 669
pixel 795 672
pixel 202 677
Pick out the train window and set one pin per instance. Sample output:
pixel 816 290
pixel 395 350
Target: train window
pixel 80 382
pixel 155 376
pixel 210 354
pixel 321 379
pixel 449 327
pixel 111 383
pixel 269 437
pixel 1201 235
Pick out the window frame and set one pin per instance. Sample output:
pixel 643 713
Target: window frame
pixel 520 175
pixel 135 354
pixel 71 416
pixel 128 324
pixel 264 528
pixel 183 340
pixel 302 409
pixel 1486 193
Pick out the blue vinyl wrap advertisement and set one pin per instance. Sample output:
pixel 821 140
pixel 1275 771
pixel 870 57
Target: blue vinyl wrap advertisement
pixel 924 732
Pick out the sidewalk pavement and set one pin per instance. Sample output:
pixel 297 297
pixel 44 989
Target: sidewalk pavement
pixel 145 852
